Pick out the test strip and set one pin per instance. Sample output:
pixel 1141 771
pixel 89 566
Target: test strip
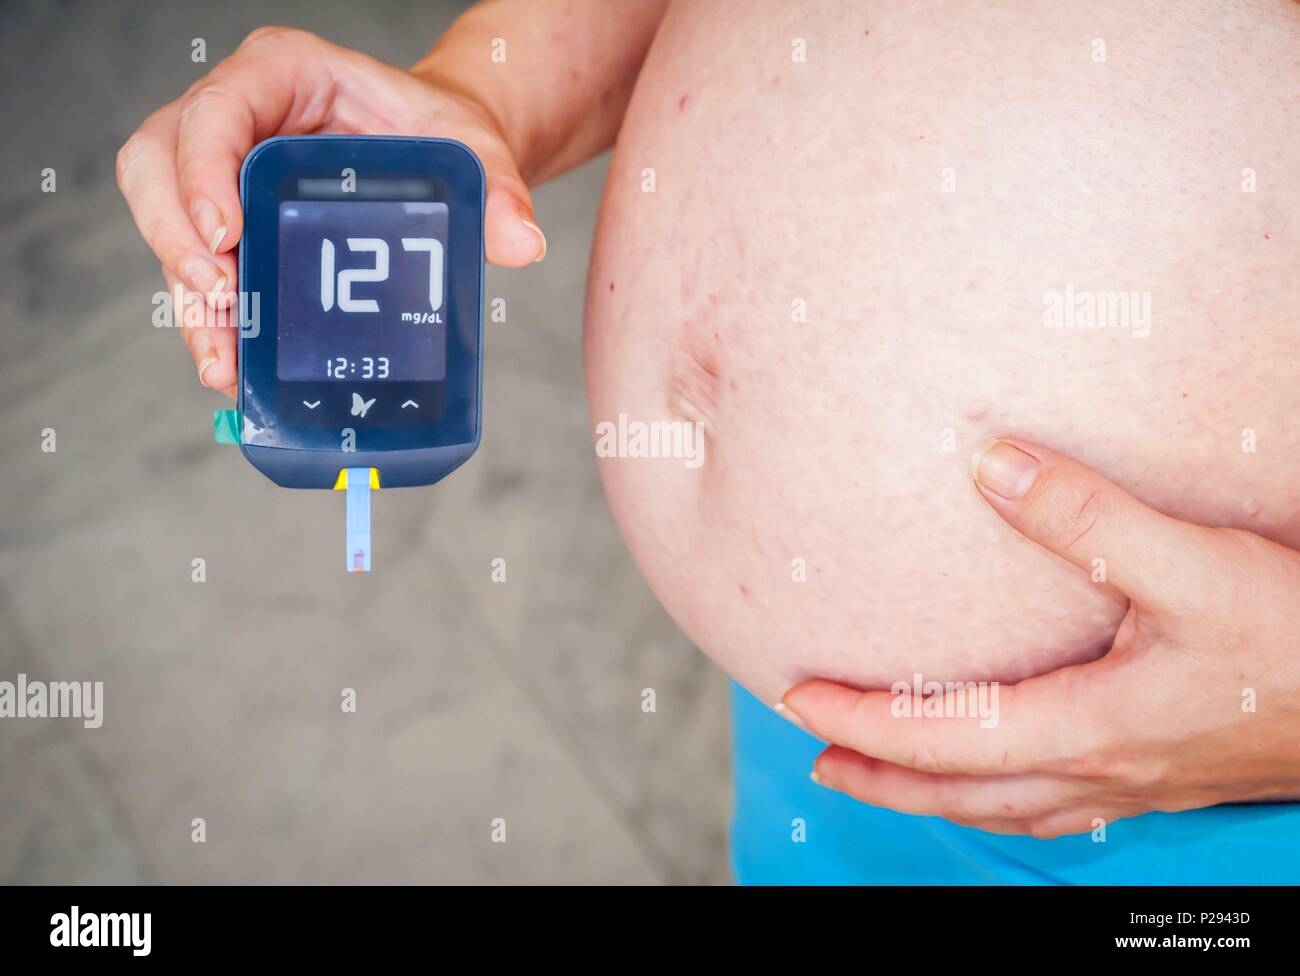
pixel 358 527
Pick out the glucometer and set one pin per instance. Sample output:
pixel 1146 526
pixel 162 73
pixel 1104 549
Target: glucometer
pixel 361 296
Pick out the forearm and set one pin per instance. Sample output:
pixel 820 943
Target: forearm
pixel 561 82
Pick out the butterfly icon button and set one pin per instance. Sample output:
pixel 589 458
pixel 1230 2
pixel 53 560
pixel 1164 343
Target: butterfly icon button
pixel 360 406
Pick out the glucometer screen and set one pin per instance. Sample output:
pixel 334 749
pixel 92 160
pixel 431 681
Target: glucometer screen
pixel 362 291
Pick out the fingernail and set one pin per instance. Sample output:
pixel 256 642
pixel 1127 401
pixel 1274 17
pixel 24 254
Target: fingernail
pixel 210 223
pixel 219 297
pixel 203 276
pixel 788 713
pixel 1004 469
pixel 204 365
pixel 815 778
pixel 540 236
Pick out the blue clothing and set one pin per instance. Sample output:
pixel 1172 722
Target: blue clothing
pixel 788 830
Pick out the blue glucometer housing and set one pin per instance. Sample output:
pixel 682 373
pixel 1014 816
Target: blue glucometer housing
pixel 361 326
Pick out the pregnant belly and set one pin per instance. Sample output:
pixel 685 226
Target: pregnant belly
pixel 853 242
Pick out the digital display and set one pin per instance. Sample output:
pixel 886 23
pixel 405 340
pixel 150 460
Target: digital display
pixel 362 291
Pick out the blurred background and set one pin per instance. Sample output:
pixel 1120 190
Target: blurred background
pixel 475 700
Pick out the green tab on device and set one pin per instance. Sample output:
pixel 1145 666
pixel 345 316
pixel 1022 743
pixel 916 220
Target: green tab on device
pixel 225 426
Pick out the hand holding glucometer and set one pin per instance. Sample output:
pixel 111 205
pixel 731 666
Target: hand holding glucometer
pixel 357 283
pixel 359 363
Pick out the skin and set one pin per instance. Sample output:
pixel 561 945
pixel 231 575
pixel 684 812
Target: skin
pixel 823 435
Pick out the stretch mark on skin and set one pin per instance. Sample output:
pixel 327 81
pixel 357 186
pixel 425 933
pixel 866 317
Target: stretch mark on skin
pixel 693 394
pixel 695 374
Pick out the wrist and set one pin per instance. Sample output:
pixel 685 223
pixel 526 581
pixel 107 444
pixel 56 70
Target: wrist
pixel 460 67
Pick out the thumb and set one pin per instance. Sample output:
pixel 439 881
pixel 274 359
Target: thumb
pixel 511 236
pixel 1072 511
pixel 447 107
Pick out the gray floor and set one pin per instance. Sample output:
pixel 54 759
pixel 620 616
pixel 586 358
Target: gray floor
pixel 476 700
